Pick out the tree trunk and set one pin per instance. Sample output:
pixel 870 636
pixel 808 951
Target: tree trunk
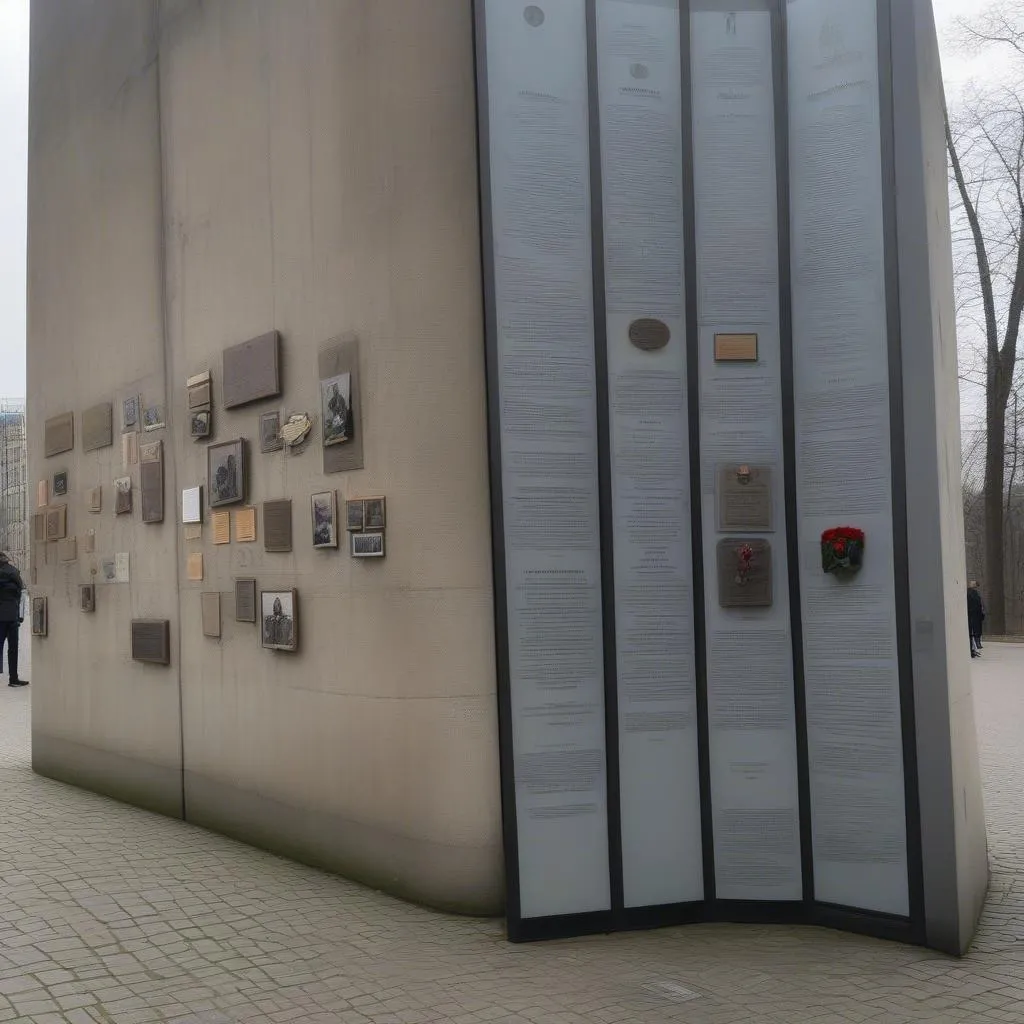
pixel 995 468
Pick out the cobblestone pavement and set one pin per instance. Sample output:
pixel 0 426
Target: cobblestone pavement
pixel 108 913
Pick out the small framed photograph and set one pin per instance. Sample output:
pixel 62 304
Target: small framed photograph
pixel 367 545
pixel 153 418
pixel 87 597
pixel 130 414
pixel 374 514
pixel 225 470
pixel 122 495
pixel 325 519
pixel 354 512
pixel 40 618
pixel 60 482
pixel 270 432
pixel 199 423
pixel 279 620
pixel 336 408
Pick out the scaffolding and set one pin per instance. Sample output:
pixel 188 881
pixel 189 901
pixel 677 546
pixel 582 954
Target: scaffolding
pixel 14 522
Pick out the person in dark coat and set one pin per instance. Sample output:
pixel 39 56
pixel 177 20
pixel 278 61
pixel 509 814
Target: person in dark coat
pixel 975 617
pixel 12 615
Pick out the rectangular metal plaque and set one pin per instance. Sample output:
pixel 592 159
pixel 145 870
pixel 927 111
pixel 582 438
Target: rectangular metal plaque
pixel 56 522
pixel 211 614
pixel 192 505
pixel 744 573
pixel 88 542
pixel 67 550
pixel 98 427
pixel 94 499
pixel 122 495
pixel 199 397
pixel 40 617
pixel 252 370
pixel 193 531
pixel 367 545
pixel 42 494
pixel 152 487
pixel 87 597
pixel 277 525
pixel 39 527
pixel 745 499
pixel 245 600
pixel 151 641
pixel 59 434
pixel 129 449
pixel 736 348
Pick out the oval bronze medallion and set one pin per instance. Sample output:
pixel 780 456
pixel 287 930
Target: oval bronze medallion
pixel 649 334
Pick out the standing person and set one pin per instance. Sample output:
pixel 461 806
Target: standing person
pixel 12 615
pixel 975 616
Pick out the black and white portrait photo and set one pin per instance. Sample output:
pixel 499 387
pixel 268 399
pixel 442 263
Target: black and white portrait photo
pixel 336 402
pixel 277 611
pixel 270 432
pixel 200 423
pixel 325 519
pixel 226 473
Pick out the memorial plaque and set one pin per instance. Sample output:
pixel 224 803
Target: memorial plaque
pixel 354 514
pixel 252 370
pixel 199 397
pixel 339 357
pixel 59 434
pixel 151 482
pixel 87 597
pixel 277 525
pixel 40 617
pixel 130 412
pixel 649 334
pixel 94 499
pixel 245 525
pixel 367 545
pixel 744 573
pixel 245 600
pixel 270 432
pixel 57 522
pixel 197 379
pixel 121 563
pixel 122 495
pixel 193 531
pixel 60 483
pixel 42 494
pixel 89 542
pixel 211 615
pixel 151 641
pixel 39 527
pixel 98 427
pixel 192 505
pixel 195 566
pixel 745 498
pixel 736 348
pixel 221 527
pixel 67 550
pixel 129 449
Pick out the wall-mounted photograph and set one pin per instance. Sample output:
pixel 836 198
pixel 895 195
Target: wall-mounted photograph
pixel 367 545
pixel 60 482
pixel 122 495
pixel 279 631
pixel 40 619
pixel 355 512
pixel 325 519
pixel 374 517
pixel 336 403
pixel 153 417
pixel 225 468
pixel 199 423
pixel 270 432
pixel 130 413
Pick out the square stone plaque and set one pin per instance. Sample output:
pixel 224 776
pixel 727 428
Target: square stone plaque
pixel 745 499
pixel 744 582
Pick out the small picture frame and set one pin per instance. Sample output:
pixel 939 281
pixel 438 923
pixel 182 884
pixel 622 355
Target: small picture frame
pixel 270 432
pixel 87 597
pixel 324 510
pixel 153 418
pixel 130 414
pixel 279 620
pixel 367 545
pixel 60 483
pixel 40 617
pixel 354 514
pixel 122 495
pixel 374 513
pixel 200 423
pixel 225 472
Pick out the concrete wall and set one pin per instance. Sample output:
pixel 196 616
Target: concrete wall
pixel 952 812
pixel 239 167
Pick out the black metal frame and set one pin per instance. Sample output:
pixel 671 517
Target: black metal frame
pixel 808 911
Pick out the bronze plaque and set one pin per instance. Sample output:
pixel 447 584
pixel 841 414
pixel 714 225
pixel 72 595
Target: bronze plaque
pixel 98 427
pixel 277 525
pixel 151 641
pixel 338 357
pixel 87 597
pixel 151 484
pixel 59 434
pixel 245 600
pixel 745 499
pixel 252 370
pixel 211 615
pixel 648 334
pixel 744 573
pixel 57 523
pixel 736 348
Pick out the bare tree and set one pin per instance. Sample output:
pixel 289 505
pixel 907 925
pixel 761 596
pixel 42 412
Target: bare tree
pixel 985 139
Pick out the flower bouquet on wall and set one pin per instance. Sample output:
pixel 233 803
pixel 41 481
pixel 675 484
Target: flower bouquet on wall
pixel 842 550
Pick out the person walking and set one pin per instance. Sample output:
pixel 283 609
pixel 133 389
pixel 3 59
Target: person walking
pixel 975 617
pixel 12 615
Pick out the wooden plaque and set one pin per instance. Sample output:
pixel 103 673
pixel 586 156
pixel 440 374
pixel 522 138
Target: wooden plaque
pixel 98 427
pixel 59 434
pixel 57 522
pixel 221 527
pixel 736 348
pixel 744 582
pixel 211 615
pixel 277 525
pixel 245 525
pixel 151 641
pixel 245 600
pixel 252 370
pixel 745 499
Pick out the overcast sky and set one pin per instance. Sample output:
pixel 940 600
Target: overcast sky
pixel 13 148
